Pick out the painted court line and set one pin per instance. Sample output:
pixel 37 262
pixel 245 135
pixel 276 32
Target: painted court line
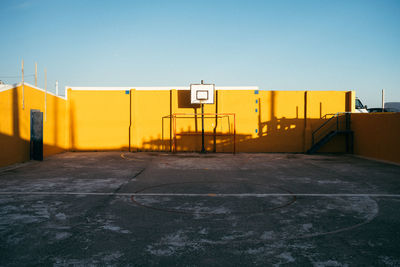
pixel 196 195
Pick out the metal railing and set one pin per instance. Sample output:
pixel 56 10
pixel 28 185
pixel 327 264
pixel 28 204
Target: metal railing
pixel 334 123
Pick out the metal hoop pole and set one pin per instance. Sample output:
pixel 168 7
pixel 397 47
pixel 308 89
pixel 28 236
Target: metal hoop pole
pixel 234 134
pixel 203 150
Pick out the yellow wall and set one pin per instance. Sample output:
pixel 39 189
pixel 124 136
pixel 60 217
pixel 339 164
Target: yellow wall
pixel 98 120
pixel 266 121
pixel 376 135
pixel 140 120
pixel 148 109
pixel 321 103
pixel 15 123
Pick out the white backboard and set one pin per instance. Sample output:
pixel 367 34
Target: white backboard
pixel 202 93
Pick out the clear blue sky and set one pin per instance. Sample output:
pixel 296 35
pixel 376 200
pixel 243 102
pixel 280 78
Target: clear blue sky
pixel 277 45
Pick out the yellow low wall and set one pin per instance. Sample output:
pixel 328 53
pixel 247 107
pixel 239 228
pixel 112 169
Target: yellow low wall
pixel 141 120
pixel 98 120
pixel 266 121
pixel 15 106
pixel 376 135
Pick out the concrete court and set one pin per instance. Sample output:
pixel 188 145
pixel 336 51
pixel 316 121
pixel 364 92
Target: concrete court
pixel 135 209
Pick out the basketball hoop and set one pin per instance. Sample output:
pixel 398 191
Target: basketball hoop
pixel 202 94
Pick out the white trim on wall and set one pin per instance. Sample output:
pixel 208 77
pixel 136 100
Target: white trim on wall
pixel 6 87
pixel 11 86
pixel 156 88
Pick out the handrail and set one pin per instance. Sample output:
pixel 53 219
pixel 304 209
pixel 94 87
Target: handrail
pixel 335 115
pixel 324 117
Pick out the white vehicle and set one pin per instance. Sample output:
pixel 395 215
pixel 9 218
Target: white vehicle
pixel 360 108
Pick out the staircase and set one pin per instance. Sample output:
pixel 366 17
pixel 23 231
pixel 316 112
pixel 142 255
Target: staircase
pixel 338 124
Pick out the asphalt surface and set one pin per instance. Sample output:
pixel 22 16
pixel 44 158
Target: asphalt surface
pixel 141 209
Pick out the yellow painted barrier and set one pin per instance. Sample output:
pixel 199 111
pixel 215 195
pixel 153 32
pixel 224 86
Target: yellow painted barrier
pixel 98 120
pixel 141 120
pixel 133 119
pixel 15 123
pixel 376 135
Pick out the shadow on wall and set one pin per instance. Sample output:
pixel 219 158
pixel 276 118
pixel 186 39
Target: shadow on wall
pixel 268 121
pixel 278 134
pixel 15 124
pixel 376 135
pixel 14 148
